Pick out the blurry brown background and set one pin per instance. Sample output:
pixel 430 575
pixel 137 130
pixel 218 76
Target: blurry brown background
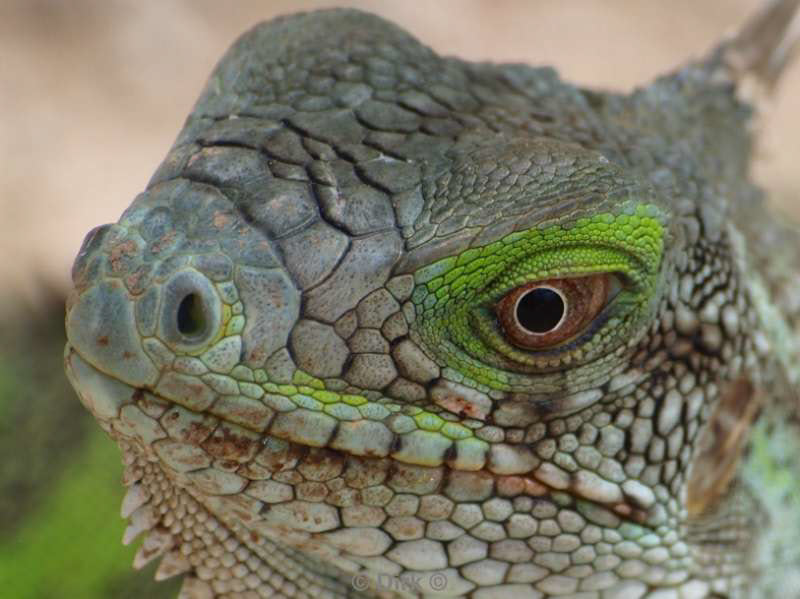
pixel 94 92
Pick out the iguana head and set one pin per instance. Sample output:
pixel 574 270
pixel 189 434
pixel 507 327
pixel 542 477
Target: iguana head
pixel 384 313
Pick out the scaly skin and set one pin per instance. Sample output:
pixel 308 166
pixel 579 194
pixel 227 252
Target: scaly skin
pixel 293 334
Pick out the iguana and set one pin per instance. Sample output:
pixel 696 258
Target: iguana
pixel 390 324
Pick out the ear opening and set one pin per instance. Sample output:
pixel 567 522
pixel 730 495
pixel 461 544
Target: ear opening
pixel 721 447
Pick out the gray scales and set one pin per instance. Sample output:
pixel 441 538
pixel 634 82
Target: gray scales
pixel 300 335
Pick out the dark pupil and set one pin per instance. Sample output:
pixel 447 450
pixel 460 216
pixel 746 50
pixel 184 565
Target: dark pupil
pixel 540 310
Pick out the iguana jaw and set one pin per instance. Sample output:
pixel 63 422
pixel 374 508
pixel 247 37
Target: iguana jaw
pixel 128 411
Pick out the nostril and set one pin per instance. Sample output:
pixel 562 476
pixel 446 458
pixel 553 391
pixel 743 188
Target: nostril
pixel 191 312
pixel 192 319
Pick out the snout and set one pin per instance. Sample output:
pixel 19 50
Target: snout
pixel 129 334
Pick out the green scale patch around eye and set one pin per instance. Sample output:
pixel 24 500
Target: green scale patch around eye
pixel 455 296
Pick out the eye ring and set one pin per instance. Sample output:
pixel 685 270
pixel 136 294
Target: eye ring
pixel 532 328
pixel 580 299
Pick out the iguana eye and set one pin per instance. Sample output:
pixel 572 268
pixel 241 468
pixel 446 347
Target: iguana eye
pixel 543 314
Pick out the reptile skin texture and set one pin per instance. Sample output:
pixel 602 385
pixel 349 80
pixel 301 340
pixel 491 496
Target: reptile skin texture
pixel 387 324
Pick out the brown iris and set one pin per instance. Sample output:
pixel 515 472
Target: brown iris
pixel 543 314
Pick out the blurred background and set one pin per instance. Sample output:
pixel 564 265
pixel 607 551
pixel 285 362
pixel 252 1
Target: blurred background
pixel 92 94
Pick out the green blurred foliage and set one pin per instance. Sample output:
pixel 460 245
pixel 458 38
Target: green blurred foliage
pixel 60 478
